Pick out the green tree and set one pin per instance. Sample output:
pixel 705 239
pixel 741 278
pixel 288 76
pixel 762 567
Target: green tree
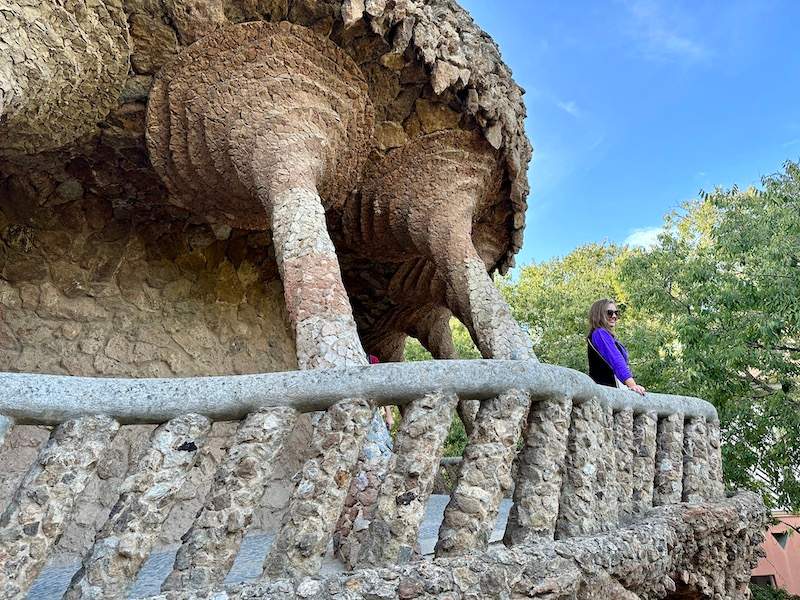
pixel 726 280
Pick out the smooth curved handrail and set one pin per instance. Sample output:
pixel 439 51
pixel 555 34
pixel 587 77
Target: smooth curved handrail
pixel 30 398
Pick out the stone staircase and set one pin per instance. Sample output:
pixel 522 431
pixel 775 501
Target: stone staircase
pixel 616 495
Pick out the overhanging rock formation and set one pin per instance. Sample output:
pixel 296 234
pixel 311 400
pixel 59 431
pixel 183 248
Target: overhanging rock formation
pixel 239 187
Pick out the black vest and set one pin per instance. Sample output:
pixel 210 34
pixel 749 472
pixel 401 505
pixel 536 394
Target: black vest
pixel 599 370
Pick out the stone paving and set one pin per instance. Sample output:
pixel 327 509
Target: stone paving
pixel 55 578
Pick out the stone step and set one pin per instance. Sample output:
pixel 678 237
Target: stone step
pixel 55 578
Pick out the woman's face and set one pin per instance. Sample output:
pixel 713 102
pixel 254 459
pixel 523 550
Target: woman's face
pixel 612 315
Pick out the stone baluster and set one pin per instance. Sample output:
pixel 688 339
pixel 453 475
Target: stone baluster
pixel 6 423
pixel 644 444
pixel 210 546
pixel 585 491
pixel 697 484
pixel 536 494
pixel 393 532
pixel 668 484
pixel 608 514
pixel 125 540
pixel 318 499
pixel 485 475
pixel 625 451
pixel 35 518
pixel 715 460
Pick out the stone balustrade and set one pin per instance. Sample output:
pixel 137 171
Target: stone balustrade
pixel 593 461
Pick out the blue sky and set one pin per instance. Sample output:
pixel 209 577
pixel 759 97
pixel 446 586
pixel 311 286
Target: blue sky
pixel 635 105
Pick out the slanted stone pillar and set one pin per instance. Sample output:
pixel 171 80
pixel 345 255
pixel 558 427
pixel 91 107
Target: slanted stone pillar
pixel 625 451
pixel 485 475
pixel 715 460
pixel 318 499
pixel 211 545
pixel 541 465
pixel 126 539
pixel 425 196
pixel 644 443
pixel 586 493
pixel 668 484
pixel 35 518
pixel 392 534
pixel 697 485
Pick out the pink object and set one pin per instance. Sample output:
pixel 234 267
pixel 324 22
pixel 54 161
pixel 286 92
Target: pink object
pixel 782 563
pixel 373 360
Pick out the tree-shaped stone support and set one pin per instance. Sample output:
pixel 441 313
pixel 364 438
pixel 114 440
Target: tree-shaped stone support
pixel 422 200
pixel 253 126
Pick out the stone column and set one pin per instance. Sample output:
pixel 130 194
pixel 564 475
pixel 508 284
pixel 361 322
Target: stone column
pixel 392 534
pixel 126 539
pixel 697 484
pixel 316 301
pixel 485 475
pixel 644 459
pixel 715 460
pixel 541 464
pixel 625 451
pixel 669 461
pixel 608 510
pixel 585 487
pixel 320 493
pixel 210 546
pixel 34 519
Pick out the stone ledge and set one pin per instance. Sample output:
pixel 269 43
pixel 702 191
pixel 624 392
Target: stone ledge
pixel 708 548
pixel 52 399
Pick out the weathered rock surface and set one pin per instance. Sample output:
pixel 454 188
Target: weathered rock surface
pixel 35 518
pixel 707 550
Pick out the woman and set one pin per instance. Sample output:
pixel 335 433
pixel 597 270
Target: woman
pixel 608 358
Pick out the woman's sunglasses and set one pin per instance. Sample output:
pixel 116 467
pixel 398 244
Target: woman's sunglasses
pixel 612 313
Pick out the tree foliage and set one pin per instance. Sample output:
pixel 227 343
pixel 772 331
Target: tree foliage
pixel 726 278
pixel 712 311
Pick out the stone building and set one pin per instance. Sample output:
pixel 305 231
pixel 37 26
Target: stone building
pixel 225 187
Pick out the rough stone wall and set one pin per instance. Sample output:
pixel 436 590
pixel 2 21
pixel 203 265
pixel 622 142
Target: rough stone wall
pixel 90 288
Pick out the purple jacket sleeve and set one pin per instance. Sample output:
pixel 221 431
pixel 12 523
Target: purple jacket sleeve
pixel 603 342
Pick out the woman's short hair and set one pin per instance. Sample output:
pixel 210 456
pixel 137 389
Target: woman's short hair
pixel 597 314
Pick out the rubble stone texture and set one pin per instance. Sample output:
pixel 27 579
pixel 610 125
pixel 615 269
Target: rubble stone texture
pixel 717 489
pixel 709 550
pixel 210 546
pixel 124 543
pixel 668 484
pixel 644 444
pixel 540 470
pixel 588 496
pixel 419 445
pixel 35 518
pixel 103 273
pixel 485 475
pixel 697 483
pixel 319 497
pixel 625 451
pixel 62 67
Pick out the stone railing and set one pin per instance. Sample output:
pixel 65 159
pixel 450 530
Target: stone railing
pixel 594 459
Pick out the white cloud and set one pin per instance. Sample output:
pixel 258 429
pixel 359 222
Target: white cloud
pixel 570 107
pixel 645 237
pixel 658 32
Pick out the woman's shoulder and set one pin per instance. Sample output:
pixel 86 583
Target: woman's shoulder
pixel 601 333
